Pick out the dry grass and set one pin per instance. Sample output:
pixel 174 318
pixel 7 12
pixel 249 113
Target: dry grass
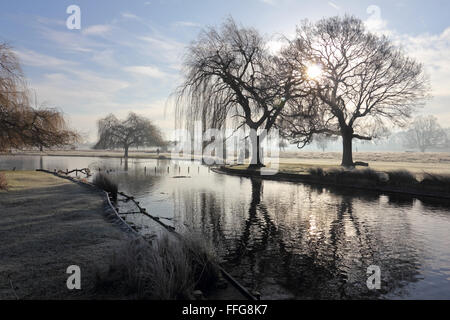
pixel 3 182
pixel 166 269
pixel 416 163
pixel 407 157
pixel 24 180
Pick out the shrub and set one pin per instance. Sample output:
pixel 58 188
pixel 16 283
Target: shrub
pixel 436 180
pixel 367 174
pixel 166 269
pixel 401 177
pixel 350 176
pixel 318 172
pixel 3 182
pixel 105 183
pixel 335 171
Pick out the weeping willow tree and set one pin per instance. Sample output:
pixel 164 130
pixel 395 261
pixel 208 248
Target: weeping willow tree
pixel 21 124
pixel 231 78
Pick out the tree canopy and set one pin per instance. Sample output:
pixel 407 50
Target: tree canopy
pixel 425 133
pixel 230 75
pixel 21 124
pixel 134 131
pixel 359 83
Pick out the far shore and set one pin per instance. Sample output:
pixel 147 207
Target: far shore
pixel 292 161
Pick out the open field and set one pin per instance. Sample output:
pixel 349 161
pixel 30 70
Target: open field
pixel 300 162
pixel 418 163
pixel 46 225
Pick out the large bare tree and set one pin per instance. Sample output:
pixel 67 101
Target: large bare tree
pixel 22 125
pixel 134 131
pixel 232 78
pixel 360 83
pixel 425 133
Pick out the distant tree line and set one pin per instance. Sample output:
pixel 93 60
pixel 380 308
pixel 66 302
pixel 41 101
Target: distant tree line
pixel 424 133
pixel 334 79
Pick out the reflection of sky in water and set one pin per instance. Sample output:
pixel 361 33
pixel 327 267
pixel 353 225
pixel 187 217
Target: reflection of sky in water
pixel 290 240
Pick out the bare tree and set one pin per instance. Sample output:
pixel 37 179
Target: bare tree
pixel 21 125
pixel 425 133
pixel 231 76
pixel 360 83
pixel 322 141
pixel 135 131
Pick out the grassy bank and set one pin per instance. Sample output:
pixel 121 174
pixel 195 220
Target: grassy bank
pixel 46 225
pixel 398 181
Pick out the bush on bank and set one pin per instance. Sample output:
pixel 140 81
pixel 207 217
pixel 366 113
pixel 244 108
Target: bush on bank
pixel 165 269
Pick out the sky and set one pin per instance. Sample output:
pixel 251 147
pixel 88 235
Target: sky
pixel 127 55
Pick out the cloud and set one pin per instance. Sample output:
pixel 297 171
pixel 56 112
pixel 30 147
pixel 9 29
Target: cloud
pixel 165 44
pixel 148 71
pixel 334 5
pixel 375 22
pixel 35 59
pixel 130 16
pixel 433 51
pixel 70 41
pixel 98 30
pixel 48 21
pixel 186 24
pixel 163 49
pixel 270 2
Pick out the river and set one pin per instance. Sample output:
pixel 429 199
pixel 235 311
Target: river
pixel 289 240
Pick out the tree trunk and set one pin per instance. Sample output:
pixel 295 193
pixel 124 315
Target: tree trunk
pixel 126 151
pixel 41 148
pixel 347 152
pixel 256 156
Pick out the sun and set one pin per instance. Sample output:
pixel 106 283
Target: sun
pixel 314 71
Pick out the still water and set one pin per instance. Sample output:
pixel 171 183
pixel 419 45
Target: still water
pixel 286 240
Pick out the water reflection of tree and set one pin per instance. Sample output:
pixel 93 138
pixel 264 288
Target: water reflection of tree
pixel 133 180
pixel 265 251
pixel 328 266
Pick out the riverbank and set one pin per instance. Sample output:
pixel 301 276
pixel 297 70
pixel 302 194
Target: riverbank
pixel 46 225
pixel 50 222
pixel 399 181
